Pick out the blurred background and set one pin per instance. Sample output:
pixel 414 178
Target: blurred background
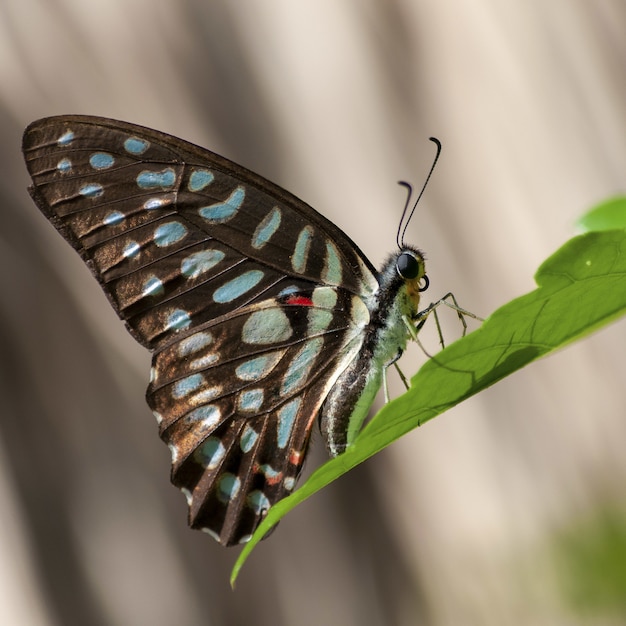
pixel 510 509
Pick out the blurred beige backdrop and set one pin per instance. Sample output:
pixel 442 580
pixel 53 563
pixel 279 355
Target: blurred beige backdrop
pixel 461 522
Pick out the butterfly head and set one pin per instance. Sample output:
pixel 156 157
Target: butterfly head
pixel 411 268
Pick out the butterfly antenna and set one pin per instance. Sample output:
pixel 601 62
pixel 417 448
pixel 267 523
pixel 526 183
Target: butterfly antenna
pixel 401 230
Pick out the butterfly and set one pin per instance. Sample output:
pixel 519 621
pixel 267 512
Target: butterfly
pixel 261 315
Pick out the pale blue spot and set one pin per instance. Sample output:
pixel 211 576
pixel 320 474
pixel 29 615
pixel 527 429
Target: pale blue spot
pixel 332 265
pixel 169 233
pixel 301 365
pixel 187 385
pixel 301 251
pixel 318 320
pixel 91 190
pixel 131 249
pixel 286 419
pixel 236 287
pixel 266 229
pixel 211 453
pixel 155 203
pixel 152 286
pixel 289 483
pixel 250 400
pixel 204 361
pixel 258 502
pixel 200 262
pixel 178 320
pixel 199 179
pixel 66 138
pixel 101 160
pixel 113 218
pixel 205 417
pixel 270 473
pixel 156 180
pixel 228 487
pixel 266 326
pixel 194 343
pixel 248 438
pixel 259 367
pixel 64 166
pixel 324 297
pixel 223 211
pixel 207 394
pixel 134 145
pixel 288 290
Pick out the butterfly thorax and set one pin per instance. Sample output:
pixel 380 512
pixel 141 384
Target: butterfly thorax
pixel 393 306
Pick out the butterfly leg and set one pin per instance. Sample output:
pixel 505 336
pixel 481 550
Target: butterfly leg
pixel 393 362
pixel 450 301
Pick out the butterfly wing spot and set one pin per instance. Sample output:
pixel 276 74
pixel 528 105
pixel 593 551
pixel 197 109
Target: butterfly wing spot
pixel 300 367
pixel 156 180
pixel 210 453
pixel 131 250
pixel 204 361
pixel 238 286
pixel 221 212
pixel 266 228
pixel 101 160
pixel 187 385
pixel 272 476
pixel 286 419
pixel 155 203
pixel 332 272
pixel 177 320
pixel 64 166
pixel 173 452
pixel 198 263
pixel 324 298
pixel 91 190
pixel 289 483
pixel 169 233
pixel 136 146
pixel 186 432
pixel 199 179
pixel 318 320
pixel 194 343
pixel 206 395
pixel 114 218
pixel 259 367
pixel 258 502
pixel 251 400
pixel 266 326
pixel 215 535
pixel 152 286
pixel 65 139
pixel 248 439
pixel 301 251
pixel 228 487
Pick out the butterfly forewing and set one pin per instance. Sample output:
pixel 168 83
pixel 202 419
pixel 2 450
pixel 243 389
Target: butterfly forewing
pixel 252 302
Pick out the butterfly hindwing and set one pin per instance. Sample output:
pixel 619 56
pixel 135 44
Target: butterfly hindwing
pixel 238 417
pixel 252 302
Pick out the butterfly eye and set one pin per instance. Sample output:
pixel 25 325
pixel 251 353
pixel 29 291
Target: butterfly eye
pixel 409 266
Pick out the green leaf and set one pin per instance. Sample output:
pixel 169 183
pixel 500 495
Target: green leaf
pixel 610 215
pixel 581 287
